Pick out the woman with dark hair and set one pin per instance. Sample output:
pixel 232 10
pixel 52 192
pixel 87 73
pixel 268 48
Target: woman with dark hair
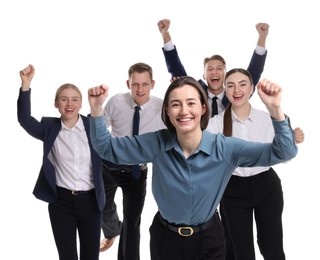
pixel 191 167
pixel 251 190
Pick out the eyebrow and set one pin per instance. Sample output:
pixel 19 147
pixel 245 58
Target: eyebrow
pixel 178 100
pixel 70 97
pixel 240 81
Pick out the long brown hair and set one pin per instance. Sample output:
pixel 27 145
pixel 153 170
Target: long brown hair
pixel 227 119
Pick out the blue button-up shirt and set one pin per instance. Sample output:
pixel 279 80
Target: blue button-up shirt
pixel 188 190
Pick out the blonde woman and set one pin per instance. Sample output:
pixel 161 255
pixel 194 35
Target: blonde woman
pixel 70 179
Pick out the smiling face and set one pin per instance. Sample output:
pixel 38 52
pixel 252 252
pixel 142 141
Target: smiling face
pixel 185 109
pixel 69 102
pixel 140 85
pixel 214 73
pixel 239 89
pixel 181 91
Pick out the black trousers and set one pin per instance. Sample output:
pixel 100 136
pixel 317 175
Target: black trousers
pixel 208 244
pixel 261 197
pixel 70 214
pixel 134 193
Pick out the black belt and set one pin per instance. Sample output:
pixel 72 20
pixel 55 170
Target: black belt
pixel 75 192
pixel 123 167
pixel 187 231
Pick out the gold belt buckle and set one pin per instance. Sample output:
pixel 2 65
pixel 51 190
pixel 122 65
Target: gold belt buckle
pixel 182 230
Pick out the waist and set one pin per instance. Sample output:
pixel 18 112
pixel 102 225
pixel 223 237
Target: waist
pixel 123 167
pixel 74 192
pixel 185 230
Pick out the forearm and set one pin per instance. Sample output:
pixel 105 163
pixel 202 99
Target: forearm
pixel 96 111
pixel 25 85
pixel 262 41
pixel 166 37
pixel 99 135
pixel 277 113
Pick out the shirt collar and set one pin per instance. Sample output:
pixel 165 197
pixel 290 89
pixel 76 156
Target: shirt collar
pixel 205 144
pixel 220 96
pixel 78 126
pixel 236 118
pixel 134 104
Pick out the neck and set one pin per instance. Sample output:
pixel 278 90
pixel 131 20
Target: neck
pixel 70 122
pixel 190 141
pixel 243 111
pixel 216 92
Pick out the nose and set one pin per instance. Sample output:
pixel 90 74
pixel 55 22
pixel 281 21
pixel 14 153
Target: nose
pixel 183 109
pixel 139 88
pixel 236 87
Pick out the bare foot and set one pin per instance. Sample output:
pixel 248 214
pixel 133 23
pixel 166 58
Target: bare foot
pixel 106 243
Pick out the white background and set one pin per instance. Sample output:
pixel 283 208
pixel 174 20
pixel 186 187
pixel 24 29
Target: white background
pixel 92 42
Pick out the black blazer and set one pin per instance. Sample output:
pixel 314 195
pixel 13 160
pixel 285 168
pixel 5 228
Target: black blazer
pixel 176 68
pixel 47 131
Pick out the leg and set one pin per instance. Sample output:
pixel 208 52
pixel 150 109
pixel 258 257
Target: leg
pixel 229 246
pixel 111 225
pixel 238 213
pixel 64 226
pixel 134 192
pixel 268 213
pixel 89 226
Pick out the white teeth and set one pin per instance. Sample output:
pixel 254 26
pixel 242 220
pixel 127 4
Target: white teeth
pixel 184 120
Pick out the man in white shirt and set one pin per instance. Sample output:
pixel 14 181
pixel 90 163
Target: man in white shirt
pixel 119 111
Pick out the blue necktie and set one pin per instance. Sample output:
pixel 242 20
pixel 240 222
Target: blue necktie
pixel 214 108
pixel 135 131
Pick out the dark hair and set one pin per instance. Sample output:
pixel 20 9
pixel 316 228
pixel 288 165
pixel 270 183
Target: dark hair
pixel 214 57
pixel 240 70
pixel 140 67
pixel 178 83
pixel 227 119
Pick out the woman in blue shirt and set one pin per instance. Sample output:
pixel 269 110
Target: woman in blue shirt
pixel 191 167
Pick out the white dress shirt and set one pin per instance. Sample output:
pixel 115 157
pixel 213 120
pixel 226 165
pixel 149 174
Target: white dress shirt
pixel 119 111
pixel 256 128
pixel 71 158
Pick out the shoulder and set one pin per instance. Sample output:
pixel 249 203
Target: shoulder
pixel 215 123
pixel 84 118
pixel 155 103
pixel 120 98
pixel 156 100
pixel 49 119
pixel 258 113
pixel 51 122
